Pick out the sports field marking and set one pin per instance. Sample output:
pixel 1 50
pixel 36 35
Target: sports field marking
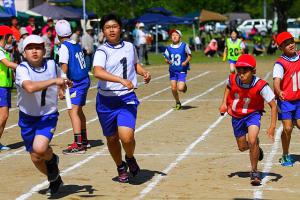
pixel 182 156
pixel 95 86
pixel 96 154
pixel 10 154
pixel 258 193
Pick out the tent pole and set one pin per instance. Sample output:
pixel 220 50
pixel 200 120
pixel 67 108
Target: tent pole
pixel 84 15
pixel 194 36
pixel 156 39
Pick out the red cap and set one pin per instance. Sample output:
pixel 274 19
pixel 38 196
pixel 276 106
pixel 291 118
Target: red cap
pixel 281 37
pixel 245 60
pixel 5 30
pixel 176 31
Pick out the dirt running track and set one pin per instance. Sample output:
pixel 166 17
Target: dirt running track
pixel 186 154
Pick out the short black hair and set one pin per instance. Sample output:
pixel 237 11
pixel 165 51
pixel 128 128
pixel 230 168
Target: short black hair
pixel 109 17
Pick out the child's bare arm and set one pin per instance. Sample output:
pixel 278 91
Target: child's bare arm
pixel 277 90
pixel 223 106
pixel 9 64
pixel 271 129
pixel 34 86
pixel 189 57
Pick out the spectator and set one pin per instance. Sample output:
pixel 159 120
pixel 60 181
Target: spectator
pixel 31 25
pixel 197 42
pixel 87 44
pixel 76 35
pixel 15 28
pixel 49 24
pixel 245 48
pixel 253 31
pixel 24 34
pixel 258 49
pixel 48 44
pixel 272 46
pixel 141 44
pixel 211 48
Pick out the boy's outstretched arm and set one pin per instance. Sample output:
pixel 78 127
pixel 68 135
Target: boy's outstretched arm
pixel 223 106
pixel 9 64
pixel 271 129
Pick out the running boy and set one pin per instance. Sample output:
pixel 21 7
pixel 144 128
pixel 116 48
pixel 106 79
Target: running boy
pixel 73 65
pixel 6 79
pixel 37 83
pixel 178 56
pixel 286 86
pixel 116 66
pixel 244 99
pixel 233 49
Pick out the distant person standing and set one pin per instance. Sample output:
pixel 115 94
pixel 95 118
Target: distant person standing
pixel 76 35
pixel 47 37
pixel 87 44
pixel 15 28
pixel 31 25
pixel 141 44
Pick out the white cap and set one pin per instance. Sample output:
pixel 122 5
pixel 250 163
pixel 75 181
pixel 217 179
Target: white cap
pixel 177 31
pixel 23 31
pixel 32 39
pixel 63 28
pixel 141 24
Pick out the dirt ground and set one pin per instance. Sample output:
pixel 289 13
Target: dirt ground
pixel 186 154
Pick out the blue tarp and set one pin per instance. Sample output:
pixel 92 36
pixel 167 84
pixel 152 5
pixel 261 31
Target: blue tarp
pixel 5 15
pixel 55 12
pixel 156 18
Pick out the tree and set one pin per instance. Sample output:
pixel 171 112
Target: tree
pixel 282 6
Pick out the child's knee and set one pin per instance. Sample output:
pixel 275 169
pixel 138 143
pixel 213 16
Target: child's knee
pixel 288 129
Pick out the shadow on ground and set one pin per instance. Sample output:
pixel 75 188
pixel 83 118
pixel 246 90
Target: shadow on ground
pixel 84 191
pixel 275 176
pixel 143 176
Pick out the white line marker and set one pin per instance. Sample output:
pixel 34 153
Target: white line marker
pixel 258 193
pixel 187 151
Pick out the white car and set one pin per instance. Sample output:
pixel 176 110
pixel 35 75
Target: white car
pixel 293 26
pixel 261 24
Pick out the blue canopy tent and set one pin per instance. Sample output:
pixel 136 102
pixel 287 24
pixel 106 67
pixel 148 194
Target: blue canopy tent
pixel 79 11
pixel 4 15
pixel 55 12
pixel 161 16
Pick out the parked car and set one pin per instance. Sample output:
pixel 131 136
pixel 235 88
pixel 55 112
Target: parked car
pixel 293 26
pixel 262 26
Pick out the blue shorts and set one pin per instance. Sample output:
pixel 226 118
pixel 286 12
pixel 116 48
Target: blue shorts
pixel 79 91
pixel 240 125
pixel 5 97
pixel 115 111
pixel 288 110
pixel 178 76
pixel 231 61
pixel 32 126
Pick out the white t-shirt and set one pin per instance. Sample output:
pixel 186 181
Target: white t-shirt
pixel 278 70
pixel 41 102
pixel 120 61
pixel 267 93
pixel 141 37
pixel 2 54
pixel 63 52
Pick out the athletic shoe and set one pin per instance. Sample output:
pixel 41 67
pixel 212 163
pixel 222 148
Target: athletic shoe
pixel 52 168
pixel 178 106
pixel 123 174
pixel 255 179
pixel 4 148
pixel 286 161
pixel 185 88
pixel 261 154
pixel 74 149
pixel 133 166
pixel 54 186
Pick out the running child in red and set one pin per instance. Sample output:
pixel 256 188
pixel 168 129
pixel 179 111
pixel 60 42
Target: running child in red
pixel 244 99
pixel 286 75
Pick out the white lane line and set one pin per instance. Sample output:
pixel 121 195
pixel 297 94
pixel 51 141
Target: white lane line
pixel 96 154
pixel 10 154
pixel 95 86
pixel 182 156
pixel 258 193
pixel 167 88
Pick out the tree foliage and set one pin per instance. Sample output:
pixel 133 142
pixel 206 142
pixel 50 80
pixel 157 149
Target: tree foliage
pixel 134 8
